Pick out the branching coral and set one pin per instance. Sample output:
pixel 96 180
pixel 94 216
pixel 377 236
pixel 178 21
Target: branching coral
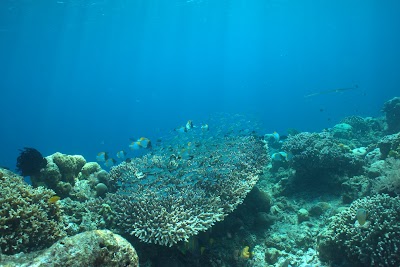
pixel 28 221
pixel 375 243
pixel 164 198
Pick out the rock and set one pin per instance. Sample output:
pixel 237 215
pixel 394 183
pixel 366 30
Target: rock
pixel 302 215
pixel 93 248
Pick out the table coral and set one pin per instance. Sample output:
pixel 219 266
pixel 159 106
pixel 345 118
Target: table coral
pixel 174 198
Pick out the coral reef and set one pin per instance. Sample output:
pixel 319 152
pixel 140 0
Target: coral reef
pixel 392 112
pixel 94 248
pixel 163 198
pixel 28 220
pixel 374 243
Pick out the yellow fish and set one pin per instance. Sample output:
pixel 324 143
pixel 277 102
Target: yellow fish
pixel 53 199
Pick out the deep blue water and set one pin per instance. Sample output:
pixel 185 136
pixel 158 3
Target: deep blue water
pixel 80 77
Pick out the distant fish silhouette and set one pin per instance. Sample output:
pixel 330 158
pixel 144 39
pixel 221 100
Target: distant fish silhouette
pixel 338 90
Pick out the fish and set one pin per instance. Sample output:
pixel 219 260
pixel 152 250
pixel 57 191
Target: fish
pixel 338 90
pixel 135 145
pixel 53 199
pixel 361 216
pixel 279 156
pixel 189 125
pixel 102 156
pixel 204 127
pixel 142 142
pixel 121 154
pixel 274 137
pixel 110 162
pixel 145 142
pixel 181 129
pixel 185 153
pixel 245 253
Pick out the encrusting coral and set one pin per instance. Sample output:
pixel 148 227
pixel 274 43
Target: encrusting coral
pixel 28 220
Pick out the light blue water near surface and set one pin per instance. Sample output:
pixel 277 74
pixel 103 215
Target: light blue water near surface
pixel 80 77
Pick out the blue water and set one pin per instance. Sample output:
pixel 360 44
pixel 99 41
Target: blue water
pixel 80 77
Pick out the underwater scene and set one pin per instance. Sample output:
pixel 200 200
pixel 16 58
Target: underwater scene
pixel 200 133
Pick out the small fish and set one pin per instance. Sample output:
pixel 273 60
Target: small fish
pixel 53 199
pixel 142 142
pixel 276 136
pixel 121 154
pixel 361 216
pixel 145 142
pixel 186 153
pixel 135 145
pixel 102 156
pixel 181 129
pixel 279 156
pixel 110 162
pixel 245 254
pixel 189 125
pixel 204 127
